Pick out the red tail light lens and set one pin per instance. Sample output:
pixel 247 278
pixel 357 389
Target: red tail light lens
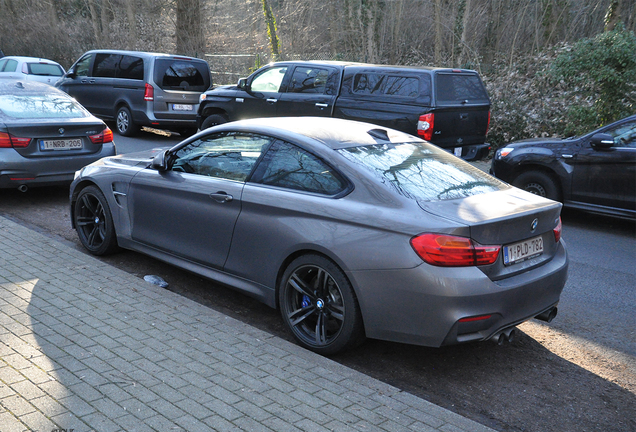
pixel 557 231
pixel 7 141
pixel 488 125
pixel 103 137
pixel 452 251
pixel 149 94
pixel 425 126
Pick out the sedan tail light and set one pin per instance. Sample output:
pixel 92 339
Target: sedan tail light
pixel 103 137
pixel 452 251
pixel 425 126
pixel 7 141
pixel 557 231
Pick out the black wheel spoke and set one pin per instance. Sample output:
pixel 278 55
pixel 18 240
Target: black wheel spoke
pixel 336 311
pixel 299 285
pixel 298 316
pixel 321 330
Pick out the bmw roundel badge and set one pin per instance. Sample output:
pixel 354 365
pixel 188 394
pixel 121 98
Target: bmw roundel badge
pixel 534 224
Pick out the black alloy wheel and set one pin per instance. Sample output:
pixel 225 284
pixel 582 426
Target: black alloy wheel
pixel 124 121
pixel 318 305
pixel 94 222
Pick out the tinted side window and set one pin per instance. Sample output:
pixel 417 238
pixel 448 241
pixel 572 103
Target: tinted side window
pixel 229 156
pixel 131 67
pixel 81 67
pixel 288 166
pixel 402 86
pixel 389 85
pixel 368 83
pixel 2 62
pixel 106 65
pixel 308 80
pixel 269 80
pixel 458 88
pixel 174 74
pixel 624 135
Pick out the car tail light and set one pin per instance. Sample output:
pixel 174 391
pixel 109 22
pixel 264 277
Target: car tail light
pixel 103 137
pixel 425 126
pixel 557 231
pixel 149 94
pixel 488 125
pixel 452 251
pixel 7 141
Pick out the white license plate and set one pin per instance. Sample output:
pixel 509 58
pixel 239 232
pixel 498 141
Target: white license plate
pixel 182 107
pixel 61 144
pixel 523 250
pixel 457 151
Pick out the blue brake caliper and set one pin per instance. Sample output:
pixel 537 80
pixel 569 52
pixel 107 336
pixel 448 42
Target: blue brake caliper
pixel 306 301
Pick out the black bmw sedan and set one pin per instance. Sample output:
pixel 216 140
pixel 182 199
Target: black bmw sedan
pixel 595 172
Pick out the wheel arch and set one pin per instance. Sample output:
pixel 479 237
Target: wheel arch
pixel 76 191
pixel 212 110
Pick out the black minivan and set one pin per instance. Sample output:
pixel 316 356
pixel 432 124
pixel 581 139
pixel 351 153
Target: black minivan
pixel 136 88
pixel 448 107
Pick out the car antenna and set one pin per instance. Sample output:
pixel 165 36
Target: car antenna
pixel 379 133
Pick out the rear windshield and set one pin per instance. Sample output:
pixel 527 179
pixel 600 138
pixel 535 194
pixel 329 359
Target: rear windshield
pixel 421 171
pixel 43 106
pixel 182 74
pixel 45 69
pixel 454 88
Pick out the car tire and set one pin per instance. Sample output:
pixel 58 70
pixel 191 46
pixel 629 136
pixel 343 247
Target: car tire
pixel 124 122
pixel 319 306
pixel 187 132
pixel 94 222
pixel 213 120
pixel 538 183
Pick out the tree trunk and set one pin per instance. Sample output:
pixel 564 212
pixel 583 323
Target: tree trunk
pixel 438 32
pixel 190 40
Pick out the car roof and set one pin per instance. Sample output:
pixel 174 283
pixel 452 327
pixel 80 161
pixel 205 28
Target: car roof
pixel 333 133
pixel 140 54
pixel 13 86
pixel 373 66
pixel 30 59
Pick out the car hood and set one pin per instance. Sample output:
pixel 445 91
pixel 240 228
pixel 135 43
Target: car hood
pixel 141 159
pixel 499 217
pixel 541 142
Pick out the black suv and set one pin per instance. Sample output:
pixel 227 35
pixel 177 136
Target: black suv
pixel 448 107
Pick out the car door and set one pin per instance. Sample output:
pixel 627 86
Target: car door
pixel 607 176
pixel 76 82
pixel 9 69
pixel 260 98
pixel 311 91
pixel 190 210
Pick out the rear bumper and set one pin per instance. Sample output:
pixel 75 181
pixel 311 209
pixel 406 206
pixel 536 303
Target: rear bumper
pixel 16 170
pixel 424 305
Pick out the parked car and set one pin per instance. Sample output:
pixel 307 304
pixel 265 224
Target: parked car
pixel 45 136
pixel 594 172
pixel 136 88
pixel 448 107
pixel 350 229
pixel 30 69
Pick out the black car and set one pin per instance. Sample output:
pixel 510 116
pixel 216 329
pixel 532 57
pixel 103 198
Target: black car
pixel 447 107
pixel 594 172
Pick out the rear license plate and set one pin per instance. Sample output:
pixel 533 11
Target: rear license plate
pixel 182 107
pixel 523 250
pixel 61 144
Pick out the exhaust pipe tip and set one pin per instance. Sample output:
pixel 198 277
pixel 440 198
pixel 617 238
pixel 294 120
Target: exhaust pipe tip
pixel 505 336
pixel 548 315
pixel 23 188
pixel 512 335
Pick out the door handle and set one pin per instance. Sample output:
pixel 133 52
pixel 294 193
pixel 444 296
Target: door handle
pixel 221 197
pixel 322 105
pixel 272 100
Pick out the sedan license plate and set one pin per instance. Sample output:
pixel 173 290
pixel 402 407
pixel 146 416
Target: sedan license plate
pixel 182 107
pixel 523 250
pixel 61 144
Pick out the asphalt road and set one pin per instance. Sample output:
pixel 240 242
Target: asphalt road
pixel 577 373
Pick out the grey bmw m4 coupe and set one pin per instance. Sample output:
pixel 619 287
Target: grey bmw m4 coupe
pixel 351 230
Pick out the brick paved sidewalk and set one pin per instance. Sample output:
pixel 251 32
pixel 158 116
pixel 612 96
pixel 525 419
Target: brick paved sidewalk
pixel 87 347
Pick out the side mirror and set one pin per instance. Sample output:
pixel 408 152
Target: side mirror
pixel 242 84
pixel 602 141
pixel 70 74
pixel 160 161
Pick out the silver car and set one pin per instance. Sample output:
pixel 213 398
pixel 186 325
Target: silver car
pixel 350 229
pixel 45 136
pixel 31 69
